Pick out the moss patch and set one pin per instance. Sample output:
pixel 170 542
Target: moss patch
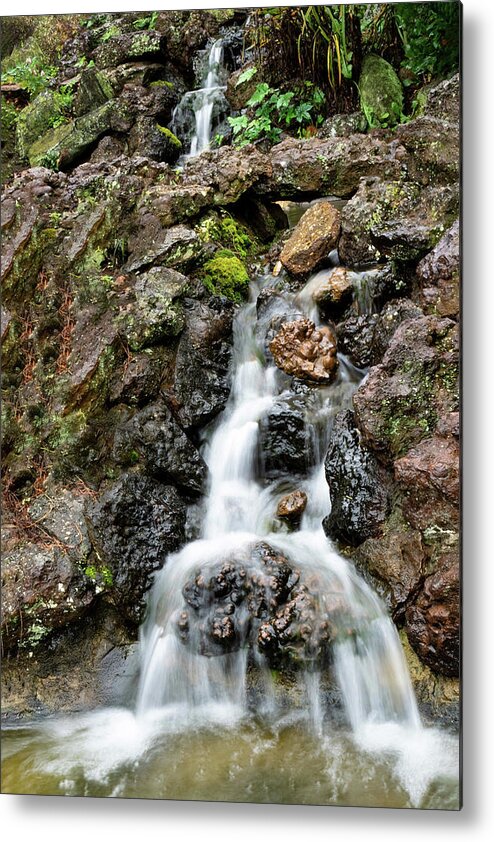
pixel 226 275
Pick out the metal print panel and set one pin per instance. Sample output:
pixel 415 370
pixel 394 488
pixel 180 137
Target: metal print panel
pixel 230 311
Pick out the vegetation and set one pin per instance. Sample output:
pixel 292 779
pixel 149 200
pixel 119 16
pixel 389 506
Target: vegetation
pixel 272 110
pixel 226 275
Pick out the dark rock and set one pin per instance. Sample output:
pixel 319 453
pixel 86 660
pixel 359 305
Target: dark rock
pixel 397 220
pixel 150 140
pixel 140 379
pixel 133 526
pixel 433 621
pixel 130 46
pixel 365 338
pixel 358 486
pixel 42 589
pixel 154 310
pixel 312 239
pixel 153 438
pixel 304 351
pixel 284 438
pixel 439 276
pixel 201 384
pixel 178 247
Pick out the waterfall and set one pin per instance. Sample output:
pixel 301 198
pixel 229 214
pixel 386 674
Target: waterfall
pixel 369 664
pixel 200 109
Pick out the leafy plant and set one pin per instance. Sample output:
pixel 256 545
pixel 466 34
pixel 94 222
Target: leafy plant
pixel 146 22
pixel 246 76
pixel 430 36
pixel 33 74
pixel 273 109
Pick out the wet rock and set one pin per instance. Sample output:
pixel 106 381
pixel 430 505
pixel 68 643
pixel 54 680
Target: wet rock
pixel 334 292
pixel 35 120
pixel 93 356
pixel 108 149
pixel 359 488
pixel 139 381
pixel 94 90
pixel 312 239
pixel 428 476
pixel 393 564
pixel 151 140
pixel 60 513
pixel 129 46
pixel 444 100
pixel 154 310
pixel 381 93
pixel 439 276
pixel 42 589
pixel 273 310
pixel 401 400
pixel 307 352
pixel 292 506
pixel 330 167
pixel 134 524
pixel 239 92
pixel 178 247
pixel 201 383
pixel 229 172
pixel 153 438
pixel 284 438
pixel 365 338
pixel 172 204
pixel 397 220
pixel 433 621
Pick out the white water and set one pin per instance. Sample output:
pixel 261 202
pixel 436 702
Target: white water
pixel 196 109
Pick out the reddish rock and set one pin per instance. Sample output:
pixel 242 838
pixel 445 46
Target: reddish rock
pixel 305 351
pixel 393 563
pixel 312 239
pixel 439 275
pixel 433 621
pixel 336 287
pixel 292 506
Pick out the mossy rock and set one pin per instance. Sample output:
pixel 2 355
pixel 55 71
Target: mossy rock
pixel 381 93
pixel 226 275
pixel 36 120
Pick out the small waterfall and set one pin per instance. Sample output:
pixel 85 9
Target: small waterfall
pixel 239 511
pixel 201 109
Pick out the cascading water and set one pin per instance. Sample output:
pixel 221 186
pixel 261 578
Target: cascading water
pixel 200 109
pixel 197 730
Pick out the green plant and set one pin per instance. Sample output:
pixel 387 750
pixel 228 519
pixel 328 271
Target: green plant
pixel 273 109
pixel 431 37
pixel 327 26
pixel 32 74
pixel 225 274
pixel 146 22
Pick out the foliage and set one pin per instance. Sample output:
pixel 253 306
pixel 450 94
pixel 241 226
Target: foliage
pixel 223 229
pixel 225 274
pixel 327 24
pixel 32 74
pixel 146 22
pixel 272 110
pixel 430 35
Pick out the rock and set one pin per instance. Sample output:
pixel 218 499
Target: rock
pixel 129 46
pixel 108 149
pixel 154 310
pixel 227 171
pixel 304 351
pixel 93 355
pixel 312 239
pixel 365 338
pixel 292 506
pixel 151 140
pixel 381 94
pixel 62 146
pixel 428 476
pixel 393 564
pixel 433 621
pixel 330 167
pixel 93 91
pixel 439 276
pixel 139 381
pixel 334 291
pixel 284 438
pixel 133 526
pixel 359 488
pixel 434 148
pixel 201 383
pixel 343 125
pixel 443 101
pixel 438 696
pixel 239 92
pixel 60 513
pixel 42 589
pixel 402 399
pixel 177 248
pixel 397 220
pixel 35 120
pixel 154 439
pixel 172 204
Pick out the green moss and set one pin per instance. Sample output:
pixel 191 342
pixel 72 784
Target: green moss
pixel 222 229
pixel 173 139
pixel 381 93
pixel 101 576
pixel 226 275
pixel 161 83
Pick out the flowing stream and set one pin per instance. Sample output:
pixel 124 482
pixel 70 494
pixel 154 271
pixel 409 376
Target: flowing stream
pixel 198 730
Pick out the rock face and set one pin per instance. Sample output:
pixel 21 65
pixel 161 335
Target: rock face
pixel 133 526
pixel 439 276
pixel 307 352
pixel 313 238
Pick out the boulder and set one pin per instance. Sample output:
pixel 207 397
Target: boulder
pixel 149 139
pixel 201 381
pixel 381 93
pixel 154 310
pixel 292 506
pixel 93 91
pixel 130 46
pixel 312 239
pixel 304 351
pixel 359 488
pixel 343 125
pixel 149 243
pixel 433 621
pixel 239 92
pixel 133 526
pixel 153 439
pixel 284 438
pixel 439 276
pixel 395 219
pixel 365 338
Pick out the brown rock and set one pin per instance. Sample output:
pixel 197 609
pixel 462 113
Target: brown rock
pixel 335 287
pixel 439 274
pixel 433 621
pixel 312 239
pixel 305 351
pixel 292 506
